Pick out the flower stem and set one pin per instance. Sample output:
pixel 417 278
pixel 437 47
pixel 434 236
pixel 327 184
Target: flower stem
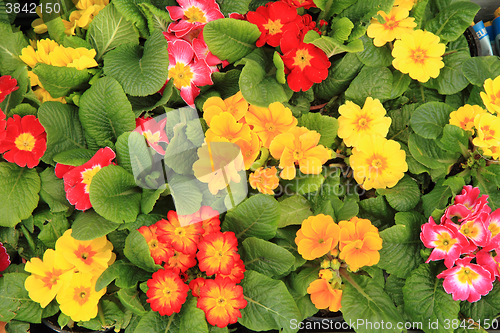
pixel 348 278
pixel 29 239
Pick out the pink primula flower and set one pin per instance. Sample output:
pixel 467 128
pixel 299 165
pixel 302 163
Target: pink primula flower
pixel 202 52
pixel 153 132
pixel 493 225
pixel 476 230
pixel 186 72
pixel 192 14
pixel 468 205
pixel 467 281
pixel 488 260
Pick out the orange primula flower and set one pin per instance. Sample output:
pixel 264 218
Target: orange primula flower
pixel 183 239
pixel 237 272
pixel 359 243
pixel 225 126
pixel 464 116
pixel 181 262
pixel 264 180
pixel 167 292
pixel 271 121
pixel 318 235
pixel 299 146
pixel 324 296
pixel 221 300
pixel 235 105
pixel 160 251
pixel 218 253
pixel 250 149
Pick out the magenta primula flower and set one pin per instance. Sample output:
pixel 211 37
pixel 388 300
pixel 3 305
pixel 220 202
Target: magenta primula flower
pixel 153 131
pixel 488 260
pixel 4 259
pixel 187 72
pixel 476 230
pixel 468 205
pixel 447 242
pixel 192 14
pixel 493 225
pixel 467 281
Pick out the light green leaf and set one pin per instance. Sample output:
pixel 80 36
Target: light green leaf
pixel 111 316
pixel 324 125
pixel 59 81
pixel 19 194
pixel 451 79
pixel 181 153
pixel 427 152
pixel 131 301
pixel 332 46
pixel 52 226
pixel 375 82
pixel 52 191
pixel 153 322
pixel 303 183
pixel 235 6
pixel 343 210
pixel 478 69
pixel 301 281
pixel 127 275
pixel 280 68
pixel 141 72
pixel 23 109
pixel 137 251
pixel 149 198
pixel 187 197
pixel 158 20
pixel 404 196
pixel 132 13
pixel 294 210
pixel 90 225
pixel 15 302
pixel 74 157
pixel 11 46
pixel 454 139
pixel 192 318
pixel 265 257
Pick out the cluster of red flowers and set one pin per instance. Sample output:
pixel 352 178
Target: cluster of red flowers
pixel 468 231
pixel 177 242
pixel 280 25
pixel 22 139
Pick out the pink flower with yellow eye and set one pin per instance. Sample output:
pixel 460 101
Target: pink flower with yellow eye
pixel 490 261
pixel 153 131
pixel 476 231
pixel 192 14
pixel 468 205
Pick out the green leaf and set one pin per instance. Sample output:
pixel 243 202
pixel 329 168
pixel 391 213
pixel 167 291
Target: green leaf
pixel 23 109
pixel 303 183
pixel 192 318
pixel 454 139
pixel 332 46
pixel 110 29
pixel 181 153
pixel 130 300
pixel 401 245
pixel 375 82
pixel 437 198
pixel 324 125
pixel 400 82
pixel 15 326
pixel 427 152
pixel 488 183
pixel 111 316
pixel 340 75
pixel 451 79
pixel 114 194
pixel 187 196
pixel 149 198
pixel 64 131
pixel 230 39
pixel 15 302
pixel 52 191
pixel 399 130
pixel 257 216
pixel 280 68
pixel 263 312
pixel 374 56
pixel 344 210
pixel 11 46
pixel 227 83
pixel 265 257
pixel 105 112
pixel 404 196
pixel 132 13
pixel 425 299
pixel 90 225
pixel 258 87
pixel 74 157
pixel 158 20
pixel 487 307
pixel 59 81
pixel 294 210
pixel 376 210
pixel 364 10
pixel 127 275
pixel 452 21
pixel 370 302
pixel 238 6
pixel 13 99
pixel 301 281
pixel 153 322
pixel 52 226
pixel 137 251
pixel 478 69
pixel 141 72
pixel 429 119
pixel 19 194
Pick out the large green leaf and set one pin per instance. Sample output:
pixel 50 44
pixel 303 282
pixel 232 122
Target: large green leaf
pixel 187 196
pixel 488 182
pixel 114 194
pixel 300 281
pixel 401 245
pixel 324 125
pixel 64 131
pixel 266 257
pixel 364 10
pixel 110 29
pixel 230 39
pixel 52 191
pixel 74 157
pixel 437 198
pixel 375 82
pixel 478 69
pixel 294 210
pixel 126 274
pixel 192 318
pixel 404 196
pixel 400 82
pixel 454 139
pixel 263 311
pixel 257 216
pixel 425 299
pixel 377 210
pixel 137 251
pixel 52 226
pixel 369 301
pixel 131 12
pixel 141 72
pixel 451 79
pixel 59 81
pixel 131 301
pixel 90 225
pixel 158 19
pixel 105 112
pixel 374 56
pixel 153 322
pixel 19 194
pixel 15 302
pixel 427 152
pixel 235 6
pixel 11 46
pixel 429 119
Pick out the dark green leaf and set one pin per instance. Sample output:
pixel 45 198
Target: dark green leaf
pixel 375 82
pixel 404 196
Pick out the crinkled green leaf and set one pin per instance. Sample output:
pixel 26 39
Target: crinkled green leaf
pixel 11 46
pixel 74 157
pixel 131 12
pixel 303 183
pixel 374 56
pixel 52 226
pixel 192 318
pixel 375 82
pixel 324 125
pixel 52 191
pixel 451 79
pixel 13 99
pixel 15 302
pixel 265 257
pixel 158 19
pixel 478 69
pixel 59 81
pixel 227 83
pixel 332 46
pixel 126 274
pixel 404 196
pixel 90 225
pixel 427 152
pixel 400 82
pixel 137 251
pixel 454 139
pixel 294 210
pixel 131 301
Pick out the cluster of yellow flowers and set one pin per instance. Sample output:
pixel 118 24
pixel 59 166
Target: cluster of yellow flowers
pixel 376 161
pixel 271 129
pixel 487 125
pixel 69 274
pixel 416 52
pixel 51 53
pixel 83 16
pixel 349 244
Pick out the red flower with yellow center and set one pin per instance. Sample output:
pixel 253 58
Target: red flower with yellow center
pixel 24 142
pixel 221 300
pixel 237 272
pixel 195 286
pixel 166 292
pixel 218 253
pixel 183 239
pixel 153 131
pixel 7 85
pixel 160 251
pixel 181 262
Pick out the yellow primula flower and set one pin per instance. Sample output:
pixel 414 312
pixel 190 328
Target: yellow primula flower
pixel 491 98
pixel 83 16
pixel 464 116
pixel 47 277
pixel 79 300
pixel 317 236
pixel 419 54
pixel 44 47
pixel 488 130
pixel 235 105
pixel 250 149
pixel 299 146
pixel 44 96
pixel 378 162
pixel 406 4
pixel 270 122
pixel 38 25
pixel 29 56
pixel 33 79
pixel 225 126
pixel 356 122
pixel 396 24
pixel 264 180
pixel 323 296
pixel 493 151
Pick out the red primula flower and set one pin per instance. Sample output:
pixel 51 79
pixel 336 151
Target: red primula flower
pixel 160 251
pixel 274 19
pixel 218 253
pixel 183 239
pixel 61 169
pixel 153 132
pixel 25 141
pixel 237 272
pixel 221 300
pixel 77 180
pixel 4 259
pixel 192 14
pixel 306 63
pixel 181 262
pixel 3 124
pixel 195 286
pixel 166 292
pixel 306 4
pixel 7 85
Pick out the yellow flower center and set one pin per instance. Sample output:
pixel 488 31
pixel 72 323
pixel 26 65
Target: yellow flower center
pixel 494 229
pixel 274 27
pixel 488 132
pixel 87 176
pixel 362 123
pixel 358 244
pixel 81 295
pixel 302 59
pixel 469 230
pixel 464 122
pixel 152 137
pixel 181 232
pixel 297 154
pixel 391 23
pixel 270 127
pixel 25 141
pixel 466 275
pixel 153 244
pixel 377 163
pixel 51 279
pixel 445 242
pixel 221 301
pixel 195 14
pixel 418 55
pixel 181 74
